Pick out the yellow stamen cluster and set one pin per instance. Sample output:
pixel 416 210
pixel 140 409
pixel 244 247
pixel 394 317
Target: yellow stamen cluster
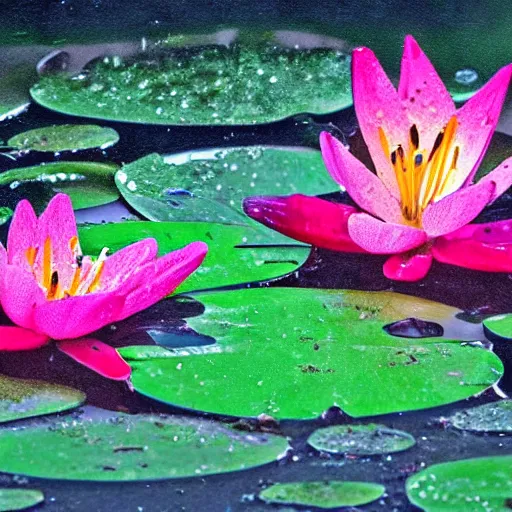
pixel 422 180
pixel 82 283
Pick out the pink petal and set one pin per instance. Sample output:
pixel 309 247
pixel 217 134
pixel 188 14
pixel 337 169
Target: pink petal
pixel 406 267
pixel 458 209
pixel 308 219
pixel 17 338
pixel 3 257
pixel 377 104
pixel 380 237
pixel 22 234
pixel 477 121
pixel 77 316
pixel 123 264
pixel 490 233
pixel 97 356
pixel 474 254
pixel 19 295
pixel 364 187
pixel 429 104
pixel 58 224
pixel 501 177
pixel 162 277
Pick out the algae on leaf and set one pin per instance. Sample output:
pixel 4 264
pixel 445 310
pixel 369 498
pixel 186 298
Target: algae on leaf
pixel 105 446
pixel 240 84
pixel 325 495
pixel 492 417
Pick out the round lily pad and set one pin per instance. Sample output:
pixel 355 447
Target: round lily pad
pixel 463 486
pixel 294 353
pixel 20 398
pixel 225 264
pixel 240 84
pixel 493 417
pixel 210 185
pixel 121 447
pixel 499 327
pixel 368 439
pixel 325 495
pixel 64 137
pixel 19 499
pixel 87 183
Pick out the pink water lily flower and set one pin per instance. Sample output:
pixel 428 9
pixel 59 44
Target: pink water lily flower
pixel 426 153
pixel 51 291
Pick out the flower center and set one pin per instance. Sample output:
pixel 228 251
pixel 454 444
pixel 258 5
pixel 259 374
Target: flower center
pixel 423 180
pixel 85 278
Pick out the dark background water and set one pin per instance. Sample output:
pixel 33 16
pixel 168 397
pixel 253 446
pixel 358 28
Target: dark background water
pixel 456 34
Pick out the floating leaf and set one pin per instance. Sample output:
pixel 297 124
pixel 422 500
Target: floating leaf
pixel 87 183
pixel 224 264
pixel 125 448
pixel 64 137
pixel 493 417
pixel 499 327
pixel 499 150
pixel 204 85
pixel 20 398
pixel 464 486
pixel 327 494
pixel 293 353
pixel 210 185
pixel 5 214
pixel 19 499
pixel 368 439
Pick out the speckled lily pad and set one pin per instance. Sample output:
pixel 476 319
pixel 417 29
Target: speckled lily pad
pixel 208 85
pixel 493 417
pixel 463 486
pixel 368 439
pixel 118 447
pixel 325 495
pixel 20 398
pixel 64 137
pixel 19 499
pixel 87 183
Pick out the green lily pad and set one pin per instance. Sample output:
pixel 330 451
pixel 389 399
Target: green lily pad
pixel 19 499
pixel 325 495
pixel 499 150
pixel 14 89
pixel 224 265
pixel 498 327
pixel 87 183
pixel 210 185
pixel 463 486
pixel 493 417
pixel 368 439
pixel 5 214
pixel 240 84
pixel 121 447
pixel 65 137
pixel 20 398
pixel 293 353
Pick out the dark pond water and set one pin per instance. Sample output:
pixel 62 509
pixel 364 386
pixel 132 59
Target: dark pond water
pixel 461 35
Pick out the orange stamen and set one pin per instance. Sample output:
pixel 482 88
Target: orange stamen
pixel 47 264
pixel 30 254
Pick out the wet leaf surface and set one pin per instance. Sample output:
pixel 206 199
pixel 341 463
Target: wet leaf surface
pixel 208 85
pixel 19 499
pixel 465 485
pixel 325 495
pixel 65 137
pixel 102 446
pixel 493 417
pixel 87 183
pixel 225 264
pixel 210 185
pixel 368 439
pixel 21 398
pixel 294 353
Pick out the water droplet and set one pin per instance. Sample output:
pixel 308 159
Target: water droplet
pixel 466 76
